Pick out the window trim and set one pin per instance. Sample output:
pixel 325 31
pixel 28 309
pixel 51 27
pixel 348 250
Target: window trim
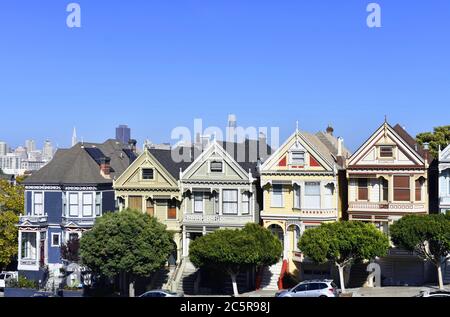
pixel 391 147
pixel 291 157
pixel 40 204
pixel 273 193
pixel 56 234
pixel 147 179
pixel 230 202
pixel 73 194
pixel 83 204
pixel 318 184
pixel 222 170
pixel 198 194
pixel 402 188
pixel 247 195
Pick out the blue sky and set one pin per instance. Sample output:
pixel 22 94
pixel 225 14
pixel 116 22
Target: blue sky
pixel 155 65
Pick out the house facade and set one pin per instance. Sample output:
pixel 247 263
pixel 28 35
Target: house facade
pixel 151 185
pixel 301 191
pixel 388 179
pixel 63 200
pixel 220 189
pixel 444 180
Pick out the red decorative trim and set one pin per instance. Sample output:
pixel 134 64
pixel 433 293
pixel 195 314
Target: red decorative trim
pixel 313 162
pixel 282 274
pixel 283 162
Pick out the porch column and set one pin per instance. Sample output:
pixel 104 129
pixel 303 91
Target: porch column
pixel 390 180
pixel 412 189
pixel 220 202
pixel 19 255
pixel 185 243
pixel 286 245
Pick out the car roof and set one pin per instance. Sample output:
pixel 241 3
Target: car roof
pixel 316 281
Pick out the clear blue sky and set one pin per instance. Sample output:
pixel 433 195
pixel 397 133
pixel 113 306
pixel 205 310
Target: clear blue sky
pixel 159 64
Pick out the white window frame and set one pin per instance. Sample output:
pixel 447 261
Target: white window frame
pixel 54 234
pixel 216 172
pixel 83 205
pixel 318 185
pixel 245 200
pixel 196 195
pixel 297 196
pixel 98 204
pixel 40 204
pixel 28 244
pixel 230 202
pixel 297 152
pixel 281 196
pixel 148 179
pixel 72 204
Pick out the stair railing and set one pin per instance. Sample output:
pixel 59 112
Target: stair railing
pixel 175 279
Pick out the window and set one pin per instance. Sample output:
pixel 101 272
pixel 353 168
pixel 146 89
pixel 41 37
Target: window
pixel 73 204
pixel 301 288
pixel 363 190
pixel 386 151
pixel 198 202
pixel 150 207
pixel 230 201
pixel 98 204
pixel 312 195
pixel 277 196
pixel 147 173
pixel 401 188
pixel 87 204
pixel 297 202
pixel 38 204
pixel 28 247
pixel 419 190
pixel 172 209
pixel 384 190
pixel 56 240
pixel 245 203
pixel 216 167
pixel 297 158
pixel 328 196
pixel 135 202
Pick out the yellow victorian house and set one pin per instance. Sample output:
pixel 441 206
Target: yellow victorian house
pixel 300 184
pixel 150 184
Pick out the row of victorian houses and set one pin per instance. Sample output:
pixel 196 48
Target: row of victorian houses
pixel 309 180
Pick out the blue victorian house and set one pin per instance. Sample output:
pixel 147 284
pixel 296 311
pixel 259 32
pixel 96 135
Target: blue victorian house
pixel 62 201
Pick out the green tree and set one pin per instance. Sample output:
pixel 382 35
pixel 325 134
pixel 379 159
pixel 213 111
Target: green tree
pixel 343 243
pixel 233 251
pixel 439 137
pixel 8 237
pixel 11 197
pixel 70 251
pixel 428 236
pixel 127 243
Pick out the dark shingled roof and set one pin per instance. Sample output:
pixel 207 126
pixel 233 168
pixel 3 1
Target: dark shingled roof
pixel 77 166
pixel 164 157
pixel 411 141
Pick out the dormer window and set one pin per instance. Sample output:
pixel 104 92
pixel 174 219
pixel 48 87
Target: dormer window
pixel 297 158
pixel 386 151
pixel 147 174
pixel 216 167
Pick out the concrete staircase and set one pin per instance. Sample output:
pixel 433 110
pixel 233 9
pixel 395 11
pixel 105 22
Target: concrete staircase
pixel 358 275
pixel 188 279
pixel 271 276
pixel 162 277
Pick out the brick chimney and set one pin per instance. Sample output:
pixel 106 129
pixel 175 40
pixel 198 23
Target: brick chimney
pixel 426 150
pixel 105 167
pixel 330 129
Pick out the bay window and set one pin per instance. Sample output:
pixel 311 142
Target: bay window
pixel 245 203
pixel 402 188
pixel 28 246
pixel 73 204
pixel 87 204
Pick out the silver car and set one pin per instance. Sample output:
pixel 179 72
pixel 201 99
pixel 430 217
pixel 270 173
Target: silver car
pixel 160 294
pixel 314 288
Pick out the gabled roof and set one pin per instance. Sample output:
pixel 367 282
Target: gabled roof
pixel 401 138
pixel 444 155
pixel 165 158
pixel 77 166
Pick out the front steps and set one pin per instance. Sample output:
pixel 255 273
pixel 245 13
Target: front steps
pixel 271 276
pixel 188 279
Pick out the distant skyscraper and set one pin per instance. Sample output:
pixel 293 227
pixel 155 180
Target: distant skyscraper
pixel 30 145
pixel 47 151
pixel 3 148
pixel 123 134
pixel 74 137
pixel 231 130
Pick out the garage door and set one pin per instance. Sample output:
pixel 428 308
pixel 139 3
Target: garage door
pixel 400 272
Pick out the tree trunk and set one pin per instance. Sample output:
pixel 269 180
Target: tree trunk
pixel 234 282
pixel 341 277
pixel 440 277
pixel 131 289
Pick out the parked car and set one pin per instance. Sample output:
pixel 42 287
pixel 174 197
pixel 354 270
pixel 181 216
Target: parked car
pixel 434 294
pixel 43 295
pixel 161 294
pixel 6 278
pixel 313 288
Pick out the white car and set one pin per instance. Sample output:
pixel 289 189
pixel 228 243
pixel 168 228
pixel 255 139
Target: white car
pixel 6 277
pixel 160 294
pixel 314 288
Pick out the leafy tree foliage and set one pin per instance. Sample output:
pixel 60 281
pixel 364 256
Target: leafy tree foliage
pixel 439 136
pixel 127 243
pixel 343 243
pixel 233 251
pixel 8 237
pixel 428 236
pixel 11 197
pixel 70 251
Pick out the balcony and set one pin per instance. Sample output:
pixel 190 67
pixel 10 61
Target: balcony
pixel 34 220
pixel 220 220
pixel 387 207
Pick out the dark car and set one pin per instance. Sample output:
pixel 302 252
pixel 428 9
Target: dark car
pixel 160 294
